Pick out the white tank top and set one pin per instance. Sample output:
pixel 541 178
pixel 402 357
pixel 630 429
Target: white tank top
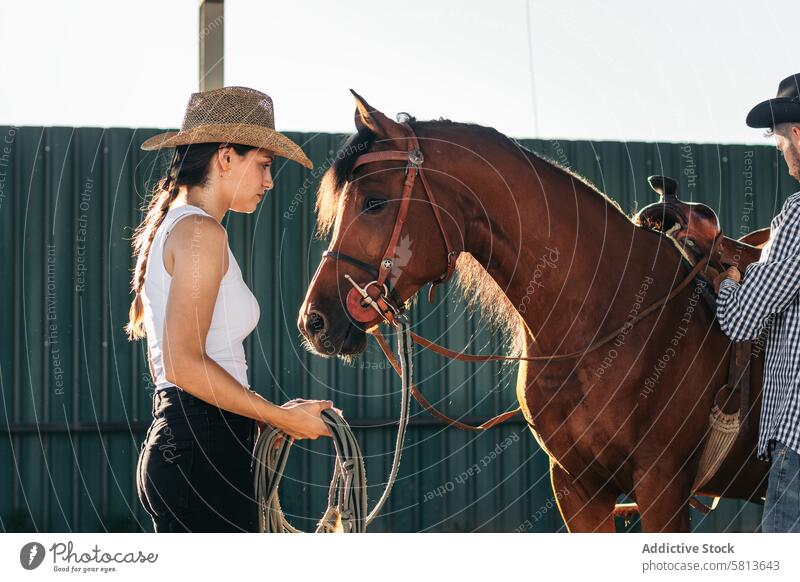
pixel 236 311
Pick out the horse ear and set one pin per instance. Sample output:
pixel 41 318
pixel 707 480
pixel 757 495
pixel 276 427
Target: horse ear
pixel 368 117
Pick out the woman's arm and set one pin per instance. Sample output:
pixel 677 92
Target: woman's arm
pixel 199 249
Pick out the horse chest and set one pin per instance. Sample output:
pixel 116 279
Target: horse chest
pixel 572 425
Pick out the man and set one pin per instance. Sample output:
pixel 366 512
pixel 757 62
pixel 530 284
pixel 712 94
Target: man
pixel 768 296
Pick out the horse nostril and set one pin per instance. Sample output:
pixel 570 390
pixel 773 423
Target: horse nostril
pixel 315 323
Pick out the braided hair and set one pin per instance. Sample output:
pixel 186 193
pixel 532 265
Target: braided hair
pixel 189 167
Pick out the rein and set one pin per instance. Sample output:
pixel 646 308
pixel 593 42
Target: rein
pixel 363 302
pixel 462 357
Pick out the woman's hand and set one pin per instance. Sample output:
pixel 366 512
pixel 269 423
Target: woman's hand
pixel 301 418
pixel 321 404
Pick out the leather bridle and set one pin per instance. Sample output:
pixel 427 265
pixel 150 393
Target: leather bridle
pixel 379 295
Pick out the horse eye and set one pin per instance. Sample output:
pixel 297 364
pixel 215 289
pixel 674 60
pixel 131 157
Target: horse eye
pixel 374 205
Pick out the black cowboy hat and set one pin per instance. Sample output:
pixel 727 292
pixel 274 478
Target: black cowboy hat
pixel 785 107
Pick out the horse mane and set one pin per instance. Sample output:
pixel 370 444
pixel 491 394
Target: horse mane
pixel 494 307
pixel 478 287
pixel 576 176
pixel 335 179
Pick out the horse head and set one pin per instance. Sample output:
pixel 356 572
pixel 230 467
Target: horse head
pixel 389 235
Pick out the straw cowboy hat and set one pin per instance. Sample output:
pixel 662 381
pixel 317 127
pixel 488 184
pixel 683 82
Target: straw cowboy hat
pixel 230 115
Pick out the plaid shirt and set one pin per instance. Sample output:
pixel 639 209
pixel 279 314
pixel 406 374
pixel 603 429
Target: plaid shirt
pixel 768 298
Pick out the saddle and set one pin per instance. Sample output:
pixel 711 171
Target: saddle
pixel 695 230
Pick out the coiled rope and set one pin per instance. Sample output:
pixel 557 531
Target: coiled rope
pixel 347 494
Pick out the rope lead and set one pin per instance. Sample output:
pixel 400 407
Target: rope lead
pixel 347 494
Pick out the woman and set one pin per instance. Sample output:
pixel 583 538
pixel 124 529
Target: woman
pixel 194 471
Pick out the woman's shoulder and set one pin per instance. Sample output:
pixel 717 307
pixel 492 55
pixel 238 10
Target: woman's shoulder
pixel 199 236
pixel 177 215
pixel 187 219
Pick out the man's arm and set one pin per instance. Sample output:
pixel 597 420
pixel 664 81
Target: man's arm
pixel 767 287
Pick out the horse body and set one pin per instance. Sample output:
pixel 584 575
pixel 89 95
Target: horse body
pixel 636 425
pixel 627 418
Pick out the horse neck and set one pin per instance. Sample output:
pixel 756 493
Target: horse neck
pixel 554 245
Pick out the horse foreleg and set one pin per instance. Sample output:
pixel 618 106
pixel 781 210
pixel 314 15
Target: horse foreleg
pixel 663 502
pixel 582 509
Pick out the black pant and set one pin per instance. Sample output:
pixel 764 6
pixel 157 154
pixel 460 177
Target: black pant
pixel 195 470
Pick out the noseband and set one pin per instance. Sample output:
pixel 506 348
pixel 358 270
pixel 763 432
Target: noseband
pixel 379 295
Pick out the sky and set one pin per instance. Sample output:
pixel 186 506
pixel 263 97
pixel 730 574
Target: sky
pixel 670 71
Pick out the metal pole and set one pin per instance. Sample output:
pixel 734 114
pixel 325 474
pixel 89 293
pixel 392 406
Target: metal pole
pixel 212 44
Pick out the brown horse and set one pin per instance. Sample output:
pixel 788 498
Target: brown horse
pixel 561 265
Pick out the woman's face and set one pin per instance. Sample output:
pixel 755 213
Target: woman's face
pixel 247 179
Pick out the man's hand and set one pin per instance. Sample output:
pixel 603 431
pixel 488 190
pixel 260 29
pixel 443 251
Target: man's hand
pixel 730 273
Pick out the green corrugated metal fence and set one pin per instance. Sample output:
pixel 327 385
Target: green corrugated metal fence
pixel 76 395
